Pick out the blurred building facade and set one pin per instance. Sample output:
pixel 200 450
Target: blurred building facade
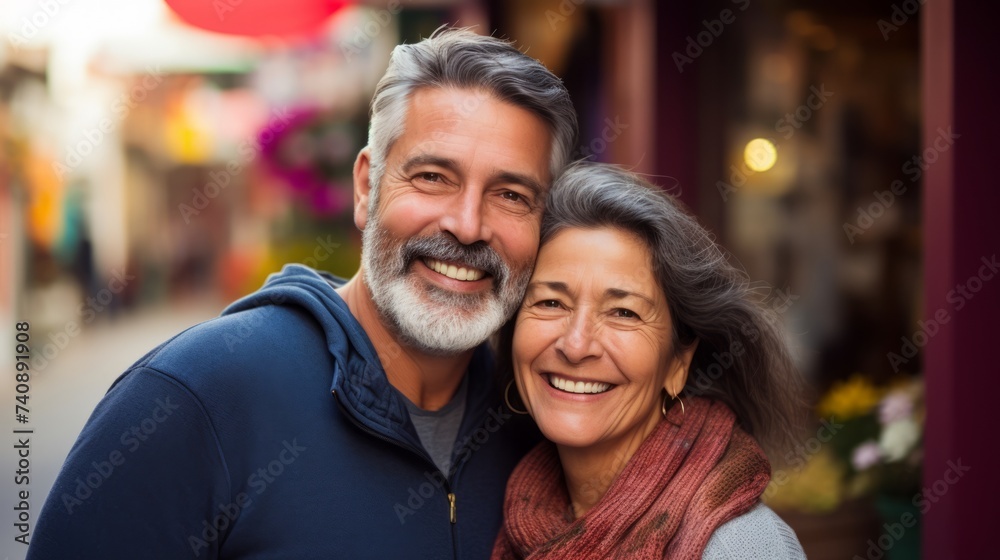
pixel 146 162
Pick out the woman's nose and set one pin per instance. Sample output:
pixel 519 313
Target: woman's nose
pixel 579 342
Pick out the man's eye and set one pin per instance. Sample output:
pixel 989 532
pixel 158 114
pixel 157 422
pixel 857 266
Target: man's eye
pixel 430 177
pixel 513 197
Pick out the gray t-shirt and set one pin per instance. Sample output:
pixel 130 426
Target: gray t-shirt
pixel 438 429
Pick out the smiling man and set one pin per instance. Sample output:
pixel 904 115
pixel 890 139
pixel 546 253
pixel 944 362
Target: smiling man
pixel 358 419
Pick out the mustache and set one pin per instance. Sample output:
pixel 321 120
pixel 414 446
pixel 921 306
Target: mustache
pixel 444 247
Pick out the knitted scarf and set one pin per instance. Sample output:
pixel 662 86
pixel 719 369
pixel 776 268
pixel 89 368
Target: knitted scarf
pixel 694 472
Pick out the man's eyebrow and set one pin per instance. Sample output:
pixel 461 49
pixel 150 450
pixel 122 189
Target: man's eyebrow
pixel 427 159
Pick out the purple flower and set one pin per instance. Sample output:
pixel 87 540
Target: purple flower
pixel 866 455
pixel 895 406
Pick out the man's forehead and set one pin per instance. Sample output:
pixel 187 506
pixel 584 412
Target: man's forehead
pixel 454 127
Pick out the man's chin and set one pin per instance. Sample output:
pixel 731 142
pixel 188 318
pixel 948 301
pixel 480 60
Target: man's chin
pixel 422 320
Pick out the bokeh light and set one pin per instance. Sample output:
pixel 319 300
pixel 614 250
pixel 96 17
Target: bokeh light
pixel 760 154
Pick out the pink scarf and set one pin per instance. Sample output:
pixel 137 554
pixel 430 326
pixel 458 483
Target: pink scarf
pixel 694 472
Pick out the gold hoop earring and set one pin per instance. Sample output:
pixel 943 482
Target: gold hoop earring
pixel 663 403
pixel 506 399
pixel 682 403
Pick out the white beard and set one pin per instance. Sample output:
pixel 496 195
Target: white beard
pixel 429 318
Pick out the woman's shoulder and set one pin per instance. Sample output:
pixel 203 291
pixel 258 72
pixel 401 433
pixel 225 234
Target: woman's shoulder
pixel 758 533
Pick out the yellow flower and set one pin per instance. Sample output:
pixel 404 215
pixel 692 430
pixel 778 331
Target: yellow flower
pixel 815 487
pixel 849 399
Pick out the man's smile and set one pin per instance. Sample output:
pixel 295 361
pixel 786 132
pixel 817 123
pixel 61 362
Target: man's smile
pixel 459 271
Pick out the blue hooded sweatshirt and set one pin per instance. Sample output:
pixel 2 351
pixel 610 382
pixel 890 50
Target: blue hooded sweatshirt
pixel 272 432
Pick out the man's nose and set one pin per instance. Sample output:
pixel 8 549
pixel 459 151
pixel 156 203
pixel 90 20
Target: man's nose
pixel 465 219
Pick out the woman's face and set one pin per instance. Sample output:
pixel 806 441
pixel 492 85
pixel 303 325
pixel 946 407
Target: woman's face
pixel 592 344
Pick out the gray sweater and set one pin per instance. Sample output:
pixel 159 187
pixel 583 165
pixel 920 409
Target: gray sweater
pixel 758 533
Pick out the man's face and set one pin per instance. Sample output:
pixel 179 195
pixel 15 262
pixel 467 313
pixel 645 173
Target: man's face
pixel 450 243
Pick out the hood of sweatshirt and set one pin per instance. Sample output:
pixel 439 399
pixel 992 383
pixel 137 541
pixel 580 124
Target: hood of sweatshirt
pixel 359 380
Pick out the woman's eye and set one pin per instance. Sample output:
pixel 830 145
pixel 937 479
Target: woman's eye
pixel 549 304
pixel 622 313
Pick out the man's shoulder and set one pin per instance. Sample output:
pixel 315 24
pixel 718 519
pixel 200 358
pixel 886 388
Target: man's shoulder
pixel 254 343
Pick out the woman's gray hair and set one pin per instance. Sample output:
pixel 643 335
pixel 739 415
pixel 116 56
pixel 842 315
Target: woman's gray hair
pixel 459 58
pixel 742 358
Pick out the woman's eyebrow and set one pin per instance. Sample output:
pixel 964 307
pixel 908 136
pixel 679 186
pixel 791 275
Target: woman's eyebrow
pixel 560 287
pixel 617 293
pixel 610 293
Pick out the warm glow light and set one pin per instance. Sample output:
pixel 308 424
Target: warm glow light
pixel 760 154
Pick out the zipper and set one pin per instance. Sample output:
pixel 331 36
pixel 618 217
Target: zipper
pixel 452 513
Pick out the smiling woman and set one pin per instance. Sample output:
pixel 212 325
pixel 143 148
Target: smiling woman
pixel 629 304
pixel 593 342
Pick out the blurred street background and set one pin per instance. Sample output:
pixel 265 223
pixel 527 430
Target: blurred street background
pixel 154 167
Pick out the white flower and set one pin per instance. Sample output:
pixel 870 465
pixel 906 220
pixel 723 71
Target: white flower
pixel 866 455
pixel 895 406
pixel 898 438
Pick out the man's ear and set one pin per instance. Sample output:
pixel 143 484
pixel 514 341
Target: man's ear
pixel 680 367
pixel 362 187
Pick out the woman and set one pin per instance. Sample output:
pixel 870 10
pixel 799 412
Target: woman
pixel 653 373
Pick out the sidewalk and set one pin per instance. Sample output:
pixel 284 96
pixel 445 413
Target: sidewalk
pixel 63 395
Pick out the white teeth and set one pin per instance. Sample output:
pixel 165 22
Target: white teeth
pixel 578 387
pixel 452 271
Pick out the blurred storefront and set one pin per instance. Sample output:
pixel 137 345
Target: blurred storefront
pixel 147 162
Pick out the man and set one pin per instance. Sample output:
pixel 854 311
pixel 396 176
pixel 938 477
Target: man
pixel 322 419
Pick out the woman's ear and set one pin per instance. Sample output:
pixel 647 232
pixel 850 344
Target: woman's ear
pixel 362 187
pixel 680 366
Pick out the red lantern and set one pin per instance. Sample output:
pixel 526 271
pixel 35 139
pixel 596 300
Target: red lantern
pixel 257 17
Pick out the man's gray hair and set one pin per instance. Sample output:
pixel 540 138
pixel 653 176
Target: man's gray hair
pixel 742 358
pixel 459 58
